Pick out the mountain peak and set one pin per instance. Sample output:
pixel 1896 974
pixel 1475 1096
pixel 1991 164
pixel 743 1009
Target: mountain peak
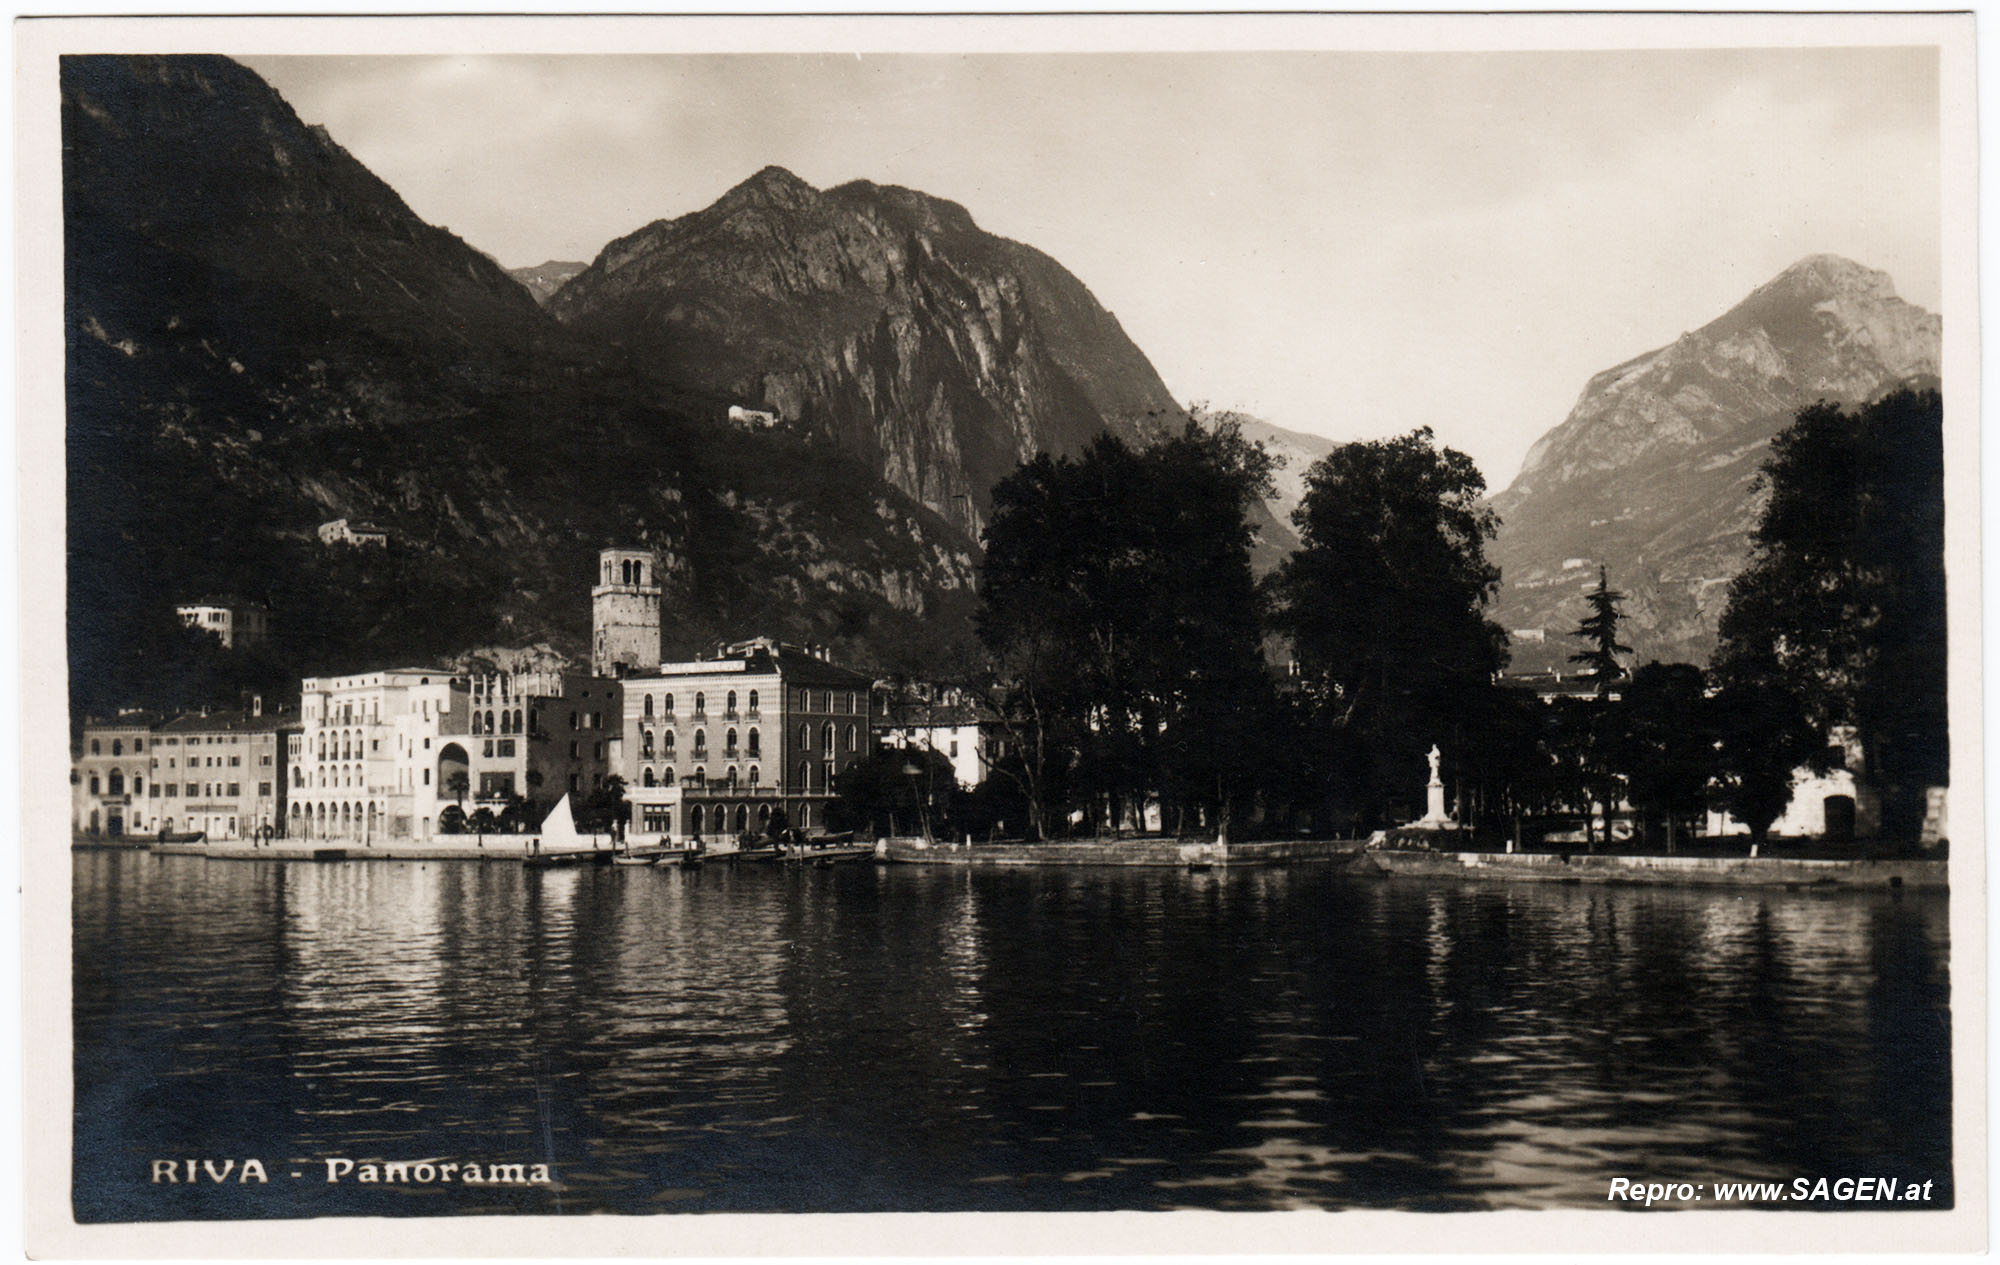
pixel 1835 273
pixel 771 186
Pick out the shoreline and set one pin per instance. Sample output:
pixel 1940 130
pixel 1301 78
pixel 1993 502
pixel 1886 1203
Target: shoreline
pixel 1662 871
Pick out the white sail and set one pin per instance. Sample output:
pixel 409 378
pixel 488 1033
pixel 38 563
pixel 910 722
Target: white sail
pixel 559 827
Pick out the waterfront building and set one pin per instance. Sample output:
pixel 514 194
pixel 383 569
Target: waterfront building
pixel 222 774
pixel 760 728
pixel 110 775
pixel 237 623
pixel 384 754
pixel 625 613
pixel 950 722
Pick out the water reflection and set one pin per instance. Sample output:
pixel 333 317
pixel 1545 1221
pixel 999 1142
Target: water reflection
pixel 899 1038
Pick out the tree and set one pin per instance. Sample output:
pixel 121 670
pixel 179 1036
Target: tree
pixel 483 821
pixel 1669 743
pixel 1763 736
pixel 897 790
pixel 458 785
pixel 1599 632
pixel 605 809
pixel 1385 605
pixel 452 820
pixel 1842 607
pixel 1604 739
pixel 1123 623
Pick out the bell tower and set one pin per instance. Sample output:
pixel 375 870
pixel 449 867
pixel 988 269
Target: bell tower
pixel 625 613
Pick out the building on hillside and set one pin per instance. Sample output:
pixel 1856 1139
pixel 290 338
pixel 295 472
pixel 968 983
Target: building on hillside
pixel 761 727
pixel 237 623
pixel 961 728
pixel 110 774
pixel 342 532
pixel 625 613
pixel 382 755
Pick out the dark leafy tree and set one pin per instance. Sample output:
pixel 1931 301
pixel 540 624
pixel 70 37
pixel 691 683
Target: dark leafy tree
pixel 1123 621
pixel 483 821
pixel 452 820
pixel 1843 604
pixel 1669 745
pixel 458 785
pixel 604 810
pixel 1385 605
pixel 897 791
pixel 1763 736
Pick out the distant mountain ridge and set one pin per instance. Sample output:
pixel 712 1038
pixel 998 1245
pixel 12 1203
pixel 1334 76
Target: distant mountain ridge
pixel 880 317
pixel 1652 474
pixel 544 279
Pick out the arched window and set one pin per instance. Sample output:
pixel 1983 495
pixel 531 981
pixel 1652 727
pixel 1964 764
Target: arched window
pixel 731 705
pixel 645 744
pixel 701 704
pixel 489 722
pixel 667 705
pixel 742 818
pixel 826 736
pixel 667 743
pixel 700 742
pixel 753 702
pixel 729 744
pixel 721 822
pixel 805 816
pixel 94 785
pixel 805 737
pixel 667 776
pixel 646 778
pixel 851 739
pixel 117 746
pixel 700 777
pixel 732 777
pixel 805 775
pixel 517 720
pixel 753 775
pixel 649 707
pixel 753 749
pixel 116 783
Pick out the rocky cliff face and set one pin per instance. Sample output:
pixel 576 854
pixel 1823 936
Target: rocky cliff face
pixel 1653 472
pixel 261 337
pixel 878 317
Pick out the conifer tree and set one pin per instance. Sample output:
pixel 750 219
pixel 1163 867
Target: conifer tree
pixel 1599 630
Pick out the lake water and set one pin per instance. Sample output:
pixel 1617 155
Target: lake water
pixel 874 1038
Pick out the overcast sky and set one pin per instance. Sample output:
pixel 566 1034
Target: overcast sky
pixel 1352 244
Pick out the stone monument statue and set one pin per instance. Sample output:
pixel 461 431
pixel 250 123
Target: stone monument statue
pixel 1434 813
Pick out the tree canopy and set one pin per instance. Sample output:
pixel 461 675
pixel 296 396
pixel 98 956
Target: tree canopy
pixel 1385 605
pixel 1841 612
pixel 1119 607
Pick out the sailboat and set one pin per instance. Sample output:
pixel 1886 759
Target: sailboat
pixel 560 843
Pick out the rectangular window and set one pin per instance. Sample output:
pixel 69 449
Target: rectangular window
pixel 427 777
pixel 194 789
pixel 506 746
pixel 488 750
pixel 235 761
pixel 572 751
pixel 265 760
pixel 264 790
pixel 172 789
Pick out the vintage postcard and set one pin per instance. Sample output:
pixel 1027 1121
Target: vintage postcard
pixel 928 635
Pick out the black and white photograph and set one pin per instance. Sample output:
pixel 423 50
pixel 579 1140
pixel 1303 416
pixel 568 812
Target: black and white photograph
pixel 714 620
